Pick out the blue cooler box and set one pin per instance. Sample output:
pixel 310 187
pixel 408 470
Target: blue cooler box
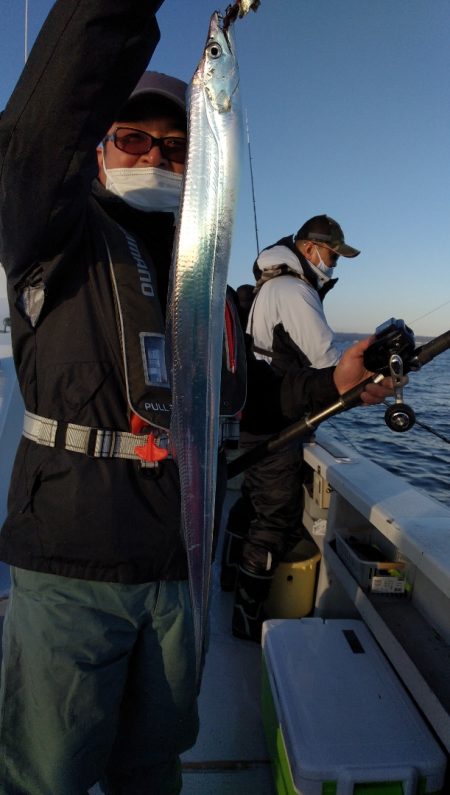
pixel 336 717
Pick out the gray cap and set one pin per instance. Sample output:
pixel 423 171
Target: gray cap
pixel 163 85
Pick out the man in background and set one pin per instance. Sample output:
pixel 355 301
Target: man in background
pixel 288 330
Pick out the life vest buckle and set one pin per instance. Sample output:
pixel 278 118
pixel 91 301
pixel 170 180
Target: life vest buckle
pixel 150 451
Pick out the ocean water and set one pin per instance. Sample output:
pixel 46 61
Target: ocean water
pixel 417 455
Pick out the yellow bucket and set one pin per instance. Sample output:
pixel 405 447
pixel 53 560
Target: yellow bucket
pixel 293 586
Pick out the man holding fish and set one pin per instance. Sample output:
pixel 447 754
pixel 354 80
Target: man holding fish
pixel 100 676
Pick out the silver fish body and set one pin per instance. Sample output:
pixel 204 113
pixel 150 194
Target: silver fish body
pixel 197 300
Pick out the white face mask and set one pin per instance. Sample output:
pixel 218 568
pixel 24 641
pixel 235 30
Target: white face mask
pixel 324 273
pixel 150 189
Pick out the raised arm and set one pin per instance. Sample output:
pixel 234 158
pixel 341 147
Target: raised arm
pixel 87 59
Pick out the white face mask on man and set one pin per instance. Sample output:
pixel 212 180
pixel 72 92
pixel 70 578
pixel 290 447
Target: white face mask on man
pixel 149 189
pixel 323 272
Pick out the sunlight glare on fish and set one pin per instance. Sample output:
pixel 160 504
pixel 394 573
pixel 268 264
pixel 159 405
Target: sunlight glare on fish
pixel 197 295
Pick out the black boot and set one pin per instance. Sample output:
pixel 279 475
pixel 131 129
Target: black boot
pixel 231 557
pixel 251 592
pixel 236 532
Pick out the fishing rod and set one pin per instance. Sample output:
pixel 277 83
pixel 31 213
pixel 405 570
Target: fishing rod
pixel 392 353
pixel 26 32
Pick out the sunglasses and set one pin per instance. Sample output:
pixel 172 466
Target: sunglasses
pixel 137 142
pixel 334 255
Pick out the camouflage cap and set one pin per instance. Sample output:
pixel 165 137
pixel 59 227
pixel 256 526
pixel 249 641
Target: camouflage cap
pixel 323 229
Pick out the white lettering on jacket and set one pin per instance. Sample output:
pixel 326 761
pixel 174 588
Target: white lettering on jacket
pixel 156 406
pixel 143 271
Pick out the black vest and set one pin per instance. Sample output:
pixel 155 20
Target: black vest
pixel 142 333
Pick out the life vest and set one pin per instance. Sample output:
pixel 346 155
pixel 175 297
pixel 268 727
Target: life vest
pixel 142 334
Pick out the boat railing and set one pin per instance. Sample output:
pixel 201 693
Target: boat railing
pixel 350 496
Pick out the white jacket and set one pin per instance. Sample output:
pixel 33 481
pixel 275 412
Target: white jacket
pixel 290 302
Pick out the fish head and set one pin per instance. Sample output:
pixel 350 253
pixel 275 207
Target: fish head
pixel 218 69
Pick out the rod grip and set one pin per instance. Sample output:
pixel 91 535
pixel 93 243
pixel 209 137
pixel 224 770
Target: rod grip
pixel 429 350
pixel 353 397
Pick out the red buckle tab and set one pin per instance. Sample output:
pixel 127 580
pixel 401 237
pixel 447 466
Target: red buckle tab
pixel 150 450
pixel 137 423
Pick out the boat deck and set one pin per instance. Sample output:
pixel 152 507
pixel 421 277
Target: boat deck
pixel 230 756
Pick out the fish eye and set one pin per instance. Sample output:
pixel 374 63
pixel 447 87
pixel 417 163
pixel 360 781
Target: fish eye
pixel 214 50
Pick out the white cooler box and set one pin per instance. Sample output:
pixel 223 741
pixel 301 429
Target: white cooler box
pixel 336 717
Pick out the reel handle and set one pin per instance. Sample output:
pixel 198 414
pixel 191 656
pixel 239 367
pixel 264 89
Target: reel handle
pixel 398 417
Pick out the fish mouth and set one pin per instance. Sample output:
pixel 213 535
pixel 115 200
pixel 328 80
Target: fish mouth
pixel 218 24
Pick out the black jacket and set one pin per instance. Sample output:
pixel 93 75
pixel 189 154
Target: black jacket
pixel 70 514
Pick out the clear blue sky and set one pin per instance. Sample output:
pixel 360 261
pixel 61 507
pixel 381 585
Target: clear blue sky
pixel 348 108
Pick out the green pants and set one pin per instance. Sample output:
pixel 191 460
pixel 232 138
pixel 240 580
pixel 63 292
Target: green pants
pixel 98 683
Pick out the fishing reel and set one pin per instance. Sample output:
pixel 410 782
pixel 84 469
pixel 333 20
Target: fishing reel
pixel 392 353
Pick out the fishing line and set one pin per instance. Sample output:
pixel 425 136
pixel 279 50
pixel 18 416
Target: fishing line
pixel 344 436
pixel 430 312
pixel 252 182
pixel 385 402
pixel 426 427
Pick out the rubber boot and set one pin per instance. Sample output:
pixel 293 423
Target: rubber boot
pixel 231 558
pixel 238 523
pixel 251 592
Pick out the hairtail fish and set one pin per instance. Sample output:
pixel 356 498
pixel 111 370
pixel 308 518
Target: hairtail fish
pixel 197 299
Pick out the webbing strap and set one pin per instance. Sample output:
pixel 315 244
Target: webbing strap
pixel 263 351
pixel 95 442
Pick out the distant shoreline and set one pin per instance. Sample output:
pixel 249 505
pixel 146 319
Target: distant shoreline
pixel 341 336
pixel 354 336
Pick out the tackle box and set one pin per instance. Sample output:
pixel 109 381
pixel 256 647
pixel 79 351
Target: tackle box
pixel 337 719
pixel 372 569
